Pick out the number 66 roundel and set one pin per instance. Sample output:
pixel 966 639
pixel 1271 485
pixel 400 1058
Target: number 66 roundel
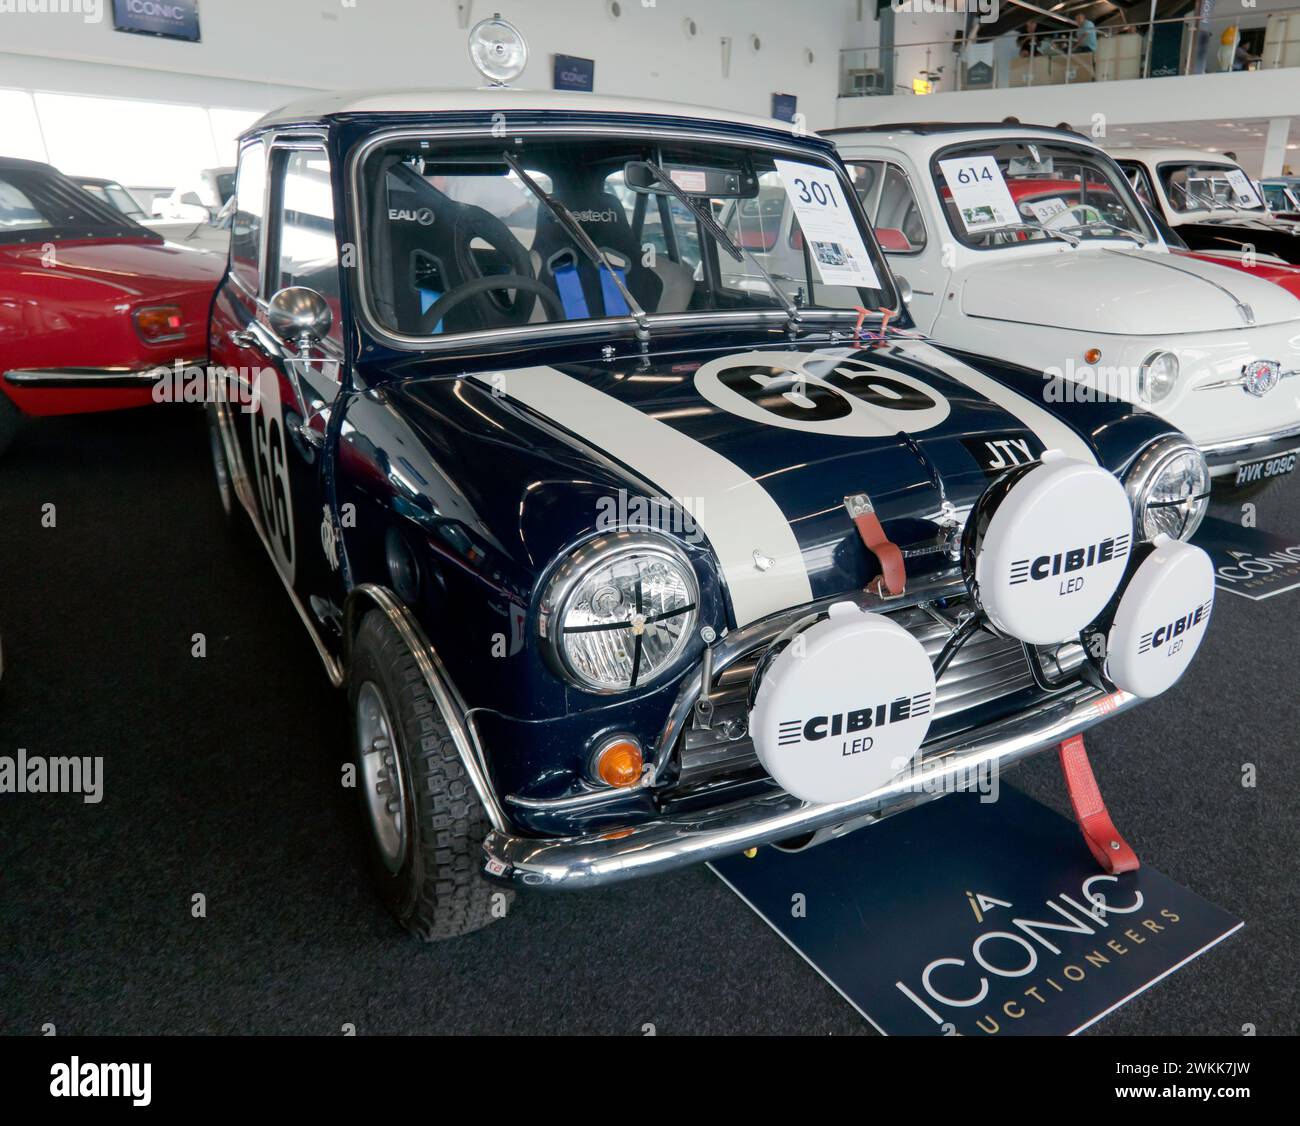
pixel 272 471
pixel 821 393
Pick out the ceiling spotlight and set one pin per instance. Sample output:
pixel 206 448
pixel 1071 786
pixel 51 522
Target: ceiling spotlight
pixel 498 50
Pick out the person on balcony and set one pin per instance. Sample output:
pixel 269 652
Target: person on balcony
pixel 1085 39
pixel 1028 38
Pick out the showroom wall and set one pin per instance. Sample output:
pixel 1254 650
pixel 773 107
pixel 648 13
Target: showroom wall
pixel 254 55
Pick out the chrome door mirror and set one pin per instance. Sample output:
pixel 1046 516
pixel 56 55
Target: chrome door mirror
pixel 301 317
pixel 904 288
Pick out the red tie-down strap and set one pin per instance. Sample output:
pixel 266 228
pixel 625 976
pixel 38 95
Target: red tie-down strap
pixel 863 314
pixel 892 580
pixel 1109 849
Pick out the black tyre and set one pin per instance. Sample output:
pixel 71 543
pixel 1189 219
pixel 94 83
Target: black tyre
pixel 10 419
pixel 425 823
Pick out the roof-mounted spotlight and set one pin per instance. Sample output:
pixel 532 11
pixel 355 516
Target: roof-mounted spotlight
pixel 498 50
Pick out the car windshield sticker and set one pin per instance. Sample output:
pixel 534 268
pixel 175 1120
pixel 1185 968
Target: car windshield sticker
pixel 1242 188
pixel 1048 209
pixel 688 181
pixel 979 191
pixel 828 225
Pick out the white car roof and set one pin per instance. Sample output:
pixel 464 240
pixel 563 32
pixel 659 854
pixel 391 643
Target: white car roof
pixel 923 138
pixel 1153 157
pixel 496 98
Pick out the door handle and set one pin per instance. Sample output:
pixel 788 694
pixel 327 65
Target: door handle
pixel 241 339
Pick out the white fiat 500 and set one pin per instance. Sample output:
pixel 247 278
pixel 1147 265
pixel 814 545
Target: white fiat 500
pixel 1028 244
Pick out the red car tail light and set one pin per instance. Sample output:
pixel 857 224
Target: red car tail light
pixel 157 324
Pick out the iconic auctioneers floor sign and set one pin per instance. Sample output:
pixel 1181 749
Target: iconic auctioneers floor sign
pixel 1249 561
pixel 968 919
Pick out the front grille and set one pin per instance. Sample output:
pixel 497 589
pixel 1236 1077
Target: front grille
pixel 985 668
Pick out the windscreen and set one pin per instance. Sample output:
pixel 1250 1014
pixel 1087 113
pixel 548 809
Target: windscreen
pixel 443 219
pixel 1208 187
pixel 1003 193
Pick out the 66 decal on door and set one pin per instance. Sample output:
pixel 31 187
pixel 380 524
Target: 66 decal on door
pixel 271 471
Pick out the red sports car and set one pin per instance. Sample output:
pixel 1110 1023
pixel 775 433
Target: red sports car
pixel 91 303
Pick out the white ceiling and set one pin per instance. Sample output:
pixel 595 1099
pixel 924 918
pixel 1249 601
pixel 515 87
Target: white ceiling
pixel 1245 138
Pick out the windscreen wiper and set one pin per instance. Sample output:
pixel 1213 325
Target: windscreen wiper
pixel 1052 231
pixel 598 257
pixel 724 240
pixel 1209 203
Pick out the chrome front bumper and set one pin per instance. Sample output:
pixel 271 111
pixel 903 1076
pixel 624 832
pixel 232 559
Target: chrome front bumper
pixel 1224 458
pixel 692 838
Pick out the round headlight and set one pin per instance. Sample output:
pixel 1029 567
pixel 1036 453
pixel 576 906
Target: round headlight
pixel 620 611
pixel 1169 487
pixel 1157 376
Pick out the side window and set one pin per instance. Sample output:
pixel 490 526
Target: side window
pixel 891 205
pixel 306 250
pixel 246 232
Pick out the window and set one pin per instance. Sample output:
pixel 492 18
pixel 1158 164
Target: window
pixel 1193 187
pixel 438 228
pixel 246 233
pixel 17 211
pixel 887 196
pixel 647 214
pixel 1044 187
pixel 123 200
pixel 306 248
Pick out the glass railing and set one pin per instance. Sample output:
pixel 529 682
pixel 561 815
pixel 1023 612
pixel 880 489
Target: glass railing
pixel 1154 49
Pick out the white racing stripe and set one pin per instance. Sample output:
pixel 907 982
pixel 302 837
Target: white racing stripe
pixel 734 511
pixel 1051 431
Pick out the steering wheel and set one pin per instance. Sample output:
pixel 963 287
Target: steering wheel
pixel 439 309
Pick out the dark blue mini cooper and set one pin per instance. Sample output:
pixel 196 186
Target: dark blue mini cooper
pixel 629 552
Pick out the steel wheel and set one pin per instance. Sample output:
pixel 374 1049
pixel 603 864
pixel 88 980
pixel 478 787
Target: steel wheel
pixel 383 785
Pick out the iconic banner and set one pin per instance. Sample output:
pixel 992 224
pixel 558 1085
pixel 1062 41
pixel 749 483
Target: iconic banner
pixel 1250 562
pixel 971 918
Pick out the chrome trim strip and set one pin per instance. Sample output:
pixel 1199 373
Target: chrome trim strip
pixel 1244 443
pixel 243 490
pixel 444 693
pixel 1240 381
pixel 584 800
pixel 578 328
pixel 98 377
pixel 694 837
